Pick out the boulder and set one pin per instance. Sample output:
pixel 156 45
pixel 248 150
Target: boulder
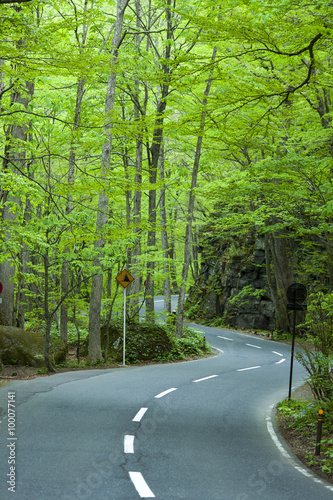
pixel 20 347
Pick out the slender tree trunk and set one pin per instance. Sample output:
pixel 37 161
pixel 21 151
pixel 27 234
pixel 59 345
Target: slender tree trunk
pixel 25 254
pixel 94 349
pixel 165 242
pixel 153 167
pixel 48 315
pixel 71 177
pixel 21 296
pixel 7 273
pixel 14 158
pixel 190 211
pixel 195 254
pixel 136 252
pixel 139 113
pixel 172 251
pixel 151 242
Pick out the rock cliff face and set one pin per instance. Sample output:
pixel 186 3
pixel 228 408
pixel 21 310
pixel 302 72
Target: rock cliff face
pixel 233 286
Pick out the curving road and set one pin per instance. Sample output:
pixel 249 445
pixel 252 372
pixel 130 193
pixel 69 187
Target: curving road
pixel 193 430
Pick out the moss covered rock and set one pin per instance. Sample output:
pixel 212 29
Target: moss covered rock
pixel 144 342
pixel 20 347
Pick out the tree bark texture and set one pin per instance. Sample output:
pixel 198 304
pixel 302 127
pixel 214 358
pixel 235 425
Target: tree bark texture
pixel 279 275
pixel 190 211
pixel 155 150
pixel 71 177
pixel 94 349
pixel 14 159
pixel 164 238
pixel 139 110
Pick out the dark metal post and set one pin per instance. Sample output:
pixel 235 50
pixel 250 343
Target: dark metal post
pixel 296 294
pixel 292 347
pixel 204 342
pixel 319 431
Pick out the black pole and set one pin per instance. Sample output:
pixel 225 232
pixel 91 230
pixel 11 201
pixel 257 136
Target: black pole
pixel 292 347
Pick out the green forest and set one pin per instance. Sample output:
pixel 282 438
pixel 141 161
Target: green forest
pixel 128 125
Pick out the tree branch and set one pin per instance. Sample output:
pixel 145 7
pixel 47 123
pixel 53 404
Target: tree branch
pixel 13 1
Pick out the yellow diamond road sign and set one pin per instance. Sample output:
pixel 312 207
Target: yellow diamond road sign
pixel 124 278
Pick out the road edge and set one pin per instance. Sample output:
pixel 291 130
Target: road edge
pixel 285 449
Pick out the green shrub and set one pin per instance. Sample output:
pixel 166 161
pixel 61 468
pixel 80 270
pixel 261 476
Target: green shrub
pixel 302 416
pixel 317 353
pixel 149 342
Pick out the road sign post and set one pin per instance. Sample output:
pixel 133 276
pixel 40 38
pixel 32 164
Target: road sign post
pixel 296 295
pixel 124 339
pixel 124 279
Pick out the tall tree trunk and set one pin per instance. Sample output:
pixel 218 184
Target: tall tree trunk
pixel 172 250
pixel 24 259
pixel 279 275
pixel 71 177
pixel 136 252
pixel 165 242
pixel 139 110
pixel 14 158
pixel 195 254
pixel 47 313
pixel 151 241
pixel 71 172
pixel 190 211
pixel 95 351
pixel 153 160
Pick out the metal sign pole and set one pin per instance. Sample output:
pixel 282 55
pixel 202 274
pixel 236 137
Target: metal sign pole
pixel 296 294
pixel 124 279
pixel 124 340
pixel 292 352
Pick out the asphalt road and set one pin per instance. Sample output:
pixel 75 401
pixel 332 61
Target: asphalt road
pixel 196 430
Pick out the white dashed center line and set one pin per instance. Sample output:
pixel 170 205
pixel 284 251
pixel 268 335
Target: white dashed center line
pixel 256 346
pixel 139 415
pixel 279 362
pixel 225 338
pixel 251 368
pixel 166 392
pixel 205 378
pixel 140 485
pixel 128 444
pixel 274 352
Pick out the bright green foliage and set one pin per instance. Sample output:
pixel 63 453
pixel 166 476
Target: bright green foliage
pixel 267 150
pixel 317 353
